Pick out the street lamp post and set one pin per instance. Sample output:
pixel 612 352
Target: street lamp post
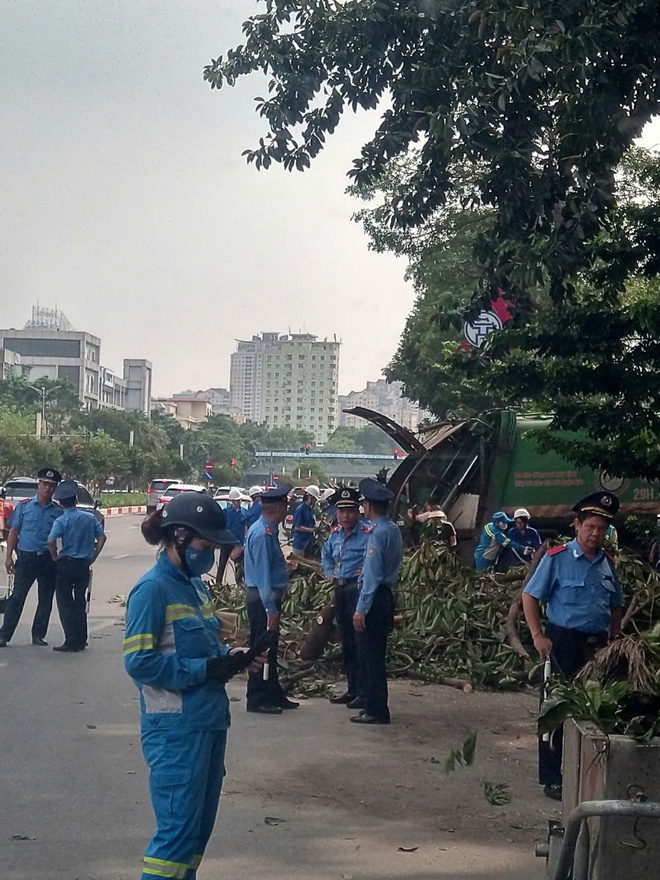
pixel 43 393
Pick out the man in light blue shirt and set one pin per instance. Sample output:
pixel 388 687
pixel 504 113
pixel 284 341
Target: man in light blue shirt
pixel 29 527
pixel 374 616
pixel 342 559
pixel 266 578
pixel 578 584
pixel 81 540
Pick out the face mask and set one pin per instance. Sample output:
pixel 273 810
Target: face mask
pixel 199 561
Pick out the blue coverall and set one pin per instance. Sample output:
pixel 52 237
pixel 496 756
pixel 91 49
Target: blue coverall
pixel 303 515
pixel 490 533
pixel 171 631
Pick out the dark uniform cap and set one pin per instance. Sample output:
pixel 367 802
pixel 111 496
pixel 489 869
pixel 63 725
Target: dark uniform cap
pixel 200 513
pixel 372 490
pixel 345 498
pixel 600 503
pixel 49 474
pixel 66 490
pixel 276 493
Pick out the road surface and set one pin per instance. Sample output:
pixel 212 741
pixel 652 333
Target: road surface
pixel 74 801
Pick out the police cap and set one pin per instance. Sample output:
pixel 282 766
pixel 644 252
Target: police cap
pixel 372 490
pixel 276 493
pixel 345 498
pixel 599 503
pixel 49 475
pixel 66 490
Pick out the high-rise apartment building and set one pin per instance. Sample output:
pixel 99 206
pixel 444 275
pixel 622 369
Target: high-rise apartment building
pixel 384 397
pixel 287 381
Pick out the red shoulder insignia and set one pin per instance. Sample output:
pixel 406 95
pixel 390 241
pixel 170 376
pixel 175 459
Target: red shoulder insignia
pixel 24 500
pixel 610 557
pixel 336 529
pixel 367 529
pixel 558 549
pixel 268 530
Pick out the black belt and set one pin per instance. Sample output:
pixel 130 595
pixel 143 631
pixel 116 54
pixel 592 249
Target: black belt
pixel 34 552
pixel 580 633
pixel 346 582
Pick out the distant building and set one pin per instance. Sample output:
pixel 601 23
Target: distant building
pixel 219 398
pixel 287 381
pixel 10 363
pixel 49 347
pixel 384 397
pixel 188 411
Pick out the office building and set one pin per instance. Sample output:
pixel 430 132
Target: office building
pixel 386 398
pixel 49 347
pixel 288 380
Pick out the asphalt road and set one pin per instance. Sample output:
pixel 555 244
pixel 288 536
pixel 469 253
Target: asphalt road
pixel 74 799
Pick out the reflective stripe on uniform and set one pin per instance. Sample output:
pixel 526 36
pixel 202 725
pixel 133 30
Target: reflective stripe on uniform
pixel 207 610
pixel 178 612
pixel 140 642
pixel 161 868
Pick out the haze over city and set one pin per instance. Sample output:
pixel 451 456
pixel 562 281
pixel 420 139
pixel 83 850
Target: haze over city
pixel 133 211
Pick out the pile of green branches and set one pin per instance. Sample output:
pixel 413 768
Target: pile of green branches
pixel 452 624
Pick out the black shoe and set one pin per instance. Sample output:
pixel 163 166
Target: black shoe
pixel 265 710
pixel 357 703
pixel 41 642
pixel 66 649
pixel 363 718
pixel 3 643
pixel 286 703
pixel 553 791
pixel 346 698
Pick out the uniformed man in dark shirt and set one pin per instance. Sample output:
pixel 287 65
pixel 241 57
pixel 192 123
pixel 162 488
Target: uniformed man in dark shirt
pixel 29 527
pixel 578 584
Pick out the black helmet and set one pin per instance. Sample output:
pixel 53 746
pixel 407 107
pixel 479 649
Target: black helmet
pixel 201 514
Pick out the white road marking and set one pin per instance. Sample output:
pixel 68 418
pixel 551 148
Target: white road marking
pixel 123 556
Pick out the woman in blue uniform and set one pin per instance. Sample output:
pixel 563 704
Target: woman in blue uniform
pixel 173 653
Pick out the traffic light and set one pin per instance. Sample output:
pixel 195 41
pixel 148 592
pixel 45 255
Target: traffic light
pixel 233 462
pixel 395 454
pixel 306 448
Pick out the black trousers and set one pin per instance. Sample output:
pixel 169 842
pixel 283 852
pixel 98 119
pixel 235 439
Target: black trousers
pixel 346 597
pixel 571 649
pixel 260 692
pixel 30 567
pixel 71 585
pixel 372 650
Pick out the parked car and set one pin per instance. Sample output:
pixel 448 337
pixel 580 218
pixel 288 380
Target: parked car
pixel 19 489
pixel 175 489
pixel 156 490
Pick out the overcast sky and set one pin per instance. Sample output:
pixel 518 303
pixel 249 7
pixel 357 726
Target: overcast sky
pixel 127 203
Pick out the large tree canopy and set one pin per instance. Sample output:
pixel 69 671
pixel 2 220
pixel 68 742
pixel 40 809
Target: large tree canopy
pixel 519 115
pixel 543 97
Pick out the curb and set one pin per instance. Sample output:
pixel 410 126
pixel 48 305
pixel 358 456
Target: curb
pixel 118 511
